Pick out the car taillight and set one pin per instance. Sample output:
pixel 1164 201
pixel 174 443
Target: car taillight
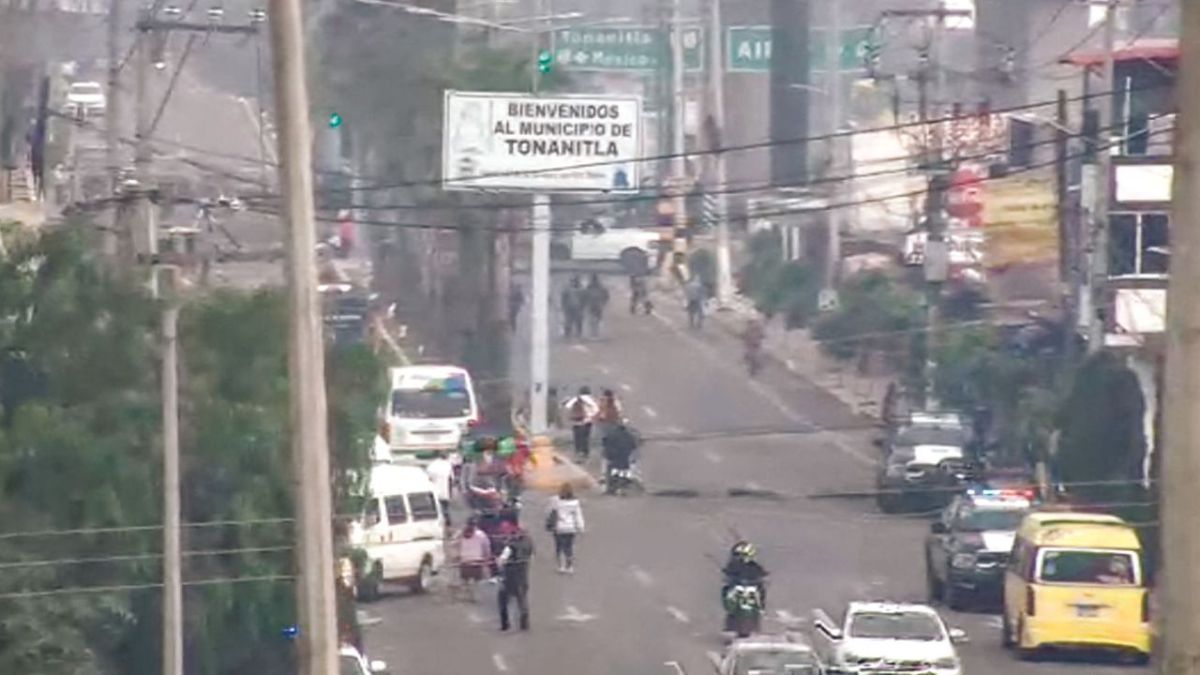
pixel 1029 603
pixel 1146 607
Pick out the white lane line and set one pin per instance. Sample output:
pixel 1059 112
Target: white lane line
pixel 626 388
pixel 680 615
pixel 786 617
pixel 473 617
pixel 499 662
pixel 604 369
pixel 714 658
pixel 643 577
pixel 675 664
pixel 580 348
pixel 674 430
pixel 650 412
pixel 994 622
pixel 712 456
pixel 753 486
pixel 771 397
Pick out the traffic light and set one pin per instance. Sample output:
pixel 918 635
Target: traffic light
pixel 545 61
pixel 335 120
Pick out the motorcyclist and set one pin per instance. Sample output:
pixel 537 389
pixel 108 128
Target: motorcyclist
pixel 619 446
pixel 752 341
pixel 743 568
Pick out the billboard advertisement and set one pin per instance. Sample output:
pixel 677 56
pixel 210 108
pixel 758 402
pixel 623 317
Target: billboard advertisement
pixel 1020 218
pixel 522 142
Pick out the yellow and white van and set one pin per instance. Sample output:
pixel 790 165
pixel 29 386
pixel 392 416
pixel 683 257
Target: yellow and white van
pixel 1075 580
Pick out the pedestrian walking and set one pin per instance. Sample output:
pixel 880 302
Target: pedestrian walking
pixel 513 563
pixel 516 300
pixel 573 301
pixel 581 409
pixel 595 300
pixel 693 292
pixel 474 556
pixel 441 473
pixel 565 521
pixel 639 297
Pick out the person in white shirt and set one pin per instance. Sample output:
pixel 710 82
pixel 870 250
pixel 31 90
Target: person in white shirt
pixel 565 522
pixel 441 472
pixel 581 410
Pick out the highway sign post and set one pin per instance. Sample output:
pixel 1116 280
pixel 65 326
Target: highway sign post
pixel 640 48
pixel 749 49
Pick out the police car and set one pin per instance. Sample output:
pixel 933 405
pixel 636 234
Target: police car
pixel 969 544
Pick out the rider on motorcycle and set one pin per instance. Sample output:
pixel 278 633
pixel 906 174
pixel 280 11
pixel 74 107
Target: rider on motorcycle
pixel 743 568
pixel 619 446
pixel 752 341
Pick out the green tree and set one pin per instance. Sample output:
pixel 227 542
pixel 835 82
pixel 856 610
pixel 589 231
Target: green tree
pixel 875 316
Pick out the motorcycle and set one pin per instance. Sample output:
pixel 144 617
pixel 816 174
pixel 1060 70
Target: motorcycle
pixel 743 609
pixel 622 481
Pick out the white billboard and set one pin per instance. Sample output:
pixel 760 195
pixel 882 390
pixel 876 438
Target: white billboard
pixel 541 143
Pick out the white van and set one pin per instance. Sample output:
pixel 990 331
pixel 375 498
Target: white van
pixel 429 408
pixel 401 531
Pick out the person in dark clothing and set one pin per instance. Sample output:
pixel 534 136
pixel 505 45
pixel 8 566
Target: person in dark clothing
pixel 573 302
pixel 619 446
pixel 639 297
pixel 595 300
pixel 743 568
pixel 513 561
pixel 516 300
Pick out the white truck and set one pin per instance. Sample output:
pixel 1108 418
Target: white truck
pixel 593 241
pixel 885 637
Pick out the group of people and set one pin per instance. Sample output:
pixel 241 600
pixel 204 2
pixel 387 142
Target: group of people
pixel 607 416
pixel 506 555
pixel 579 302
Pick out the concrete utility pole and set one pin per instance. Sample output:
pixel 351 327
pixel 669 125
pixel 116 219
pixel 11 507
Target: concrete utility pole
pixel 678 145
pixel 720 181
pixel 1179 598
pixel 144 230
pixel 172 662
pixel 833 76
pixel 316 601
pixel 1099 238
pixel 112 127
pixel 539 284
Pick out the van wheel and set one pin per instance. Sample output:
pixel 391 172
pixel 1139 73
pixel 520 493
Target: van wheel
pixel 420 584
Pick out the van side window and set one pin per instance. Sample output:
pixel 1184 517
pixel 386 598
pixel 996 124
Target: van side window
pixel 371 513
pixel 397 512
pixel 424 506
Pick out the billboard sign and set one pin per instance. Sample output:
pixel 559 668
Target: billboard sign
pixel 1020 217
pixel 541 143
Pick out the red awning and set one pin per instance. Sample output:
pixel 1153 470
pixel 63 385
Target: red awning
pixel 1160 49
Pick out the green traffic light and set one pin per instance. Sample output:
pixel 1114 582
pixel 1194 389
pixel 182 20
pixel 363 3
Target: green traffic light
pixel 335 120
pixel 545 61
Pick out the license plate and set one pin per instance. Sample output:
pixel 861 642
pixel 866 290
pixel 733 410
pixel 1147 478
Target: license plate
pixel 1087 612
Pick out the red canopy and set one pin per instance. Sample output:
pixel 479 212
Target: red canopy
pixel 1160 49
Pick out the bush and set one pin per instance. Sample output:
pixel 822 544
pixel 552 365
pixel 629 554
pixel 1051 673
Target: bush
pixel 778 286
pixel 875 315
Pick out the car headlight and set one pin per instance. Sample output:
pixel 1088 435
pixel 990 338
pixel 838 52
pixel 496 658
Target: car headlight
pixel 947 663
pixel 963 560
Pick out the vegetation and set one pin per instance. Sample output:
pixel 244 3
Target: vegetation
pixel 875 317
pixel 79 455
pixel 779 287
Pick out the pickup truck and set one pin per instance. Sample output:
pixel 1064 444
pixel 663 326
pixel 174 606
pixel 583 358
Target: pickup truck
pixel 630 246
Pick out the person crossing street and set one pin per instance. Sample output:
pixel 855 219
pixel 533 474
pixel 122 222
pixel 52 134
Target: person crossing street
pixel 581 410
pixel 516 553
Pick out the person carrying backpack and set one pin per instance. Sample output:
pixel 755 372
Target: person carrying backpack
pixel 581 409
pixel 595 299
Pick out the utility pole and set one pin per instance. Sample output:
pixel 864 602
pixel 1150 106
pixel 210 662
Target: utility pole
pixel 539 288
pixel 172 661
pixel 716 101
pixel 1179 620
pixel 1099 239
pixel 143 228
pixel 1068 234
pixel 112 129
pixel 316 601
pixel 833 76
pixel 678 146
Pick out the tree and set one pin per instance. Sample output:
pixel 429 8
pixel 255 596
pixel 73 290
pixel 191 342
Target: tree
pixel 875 316
pixel 80 449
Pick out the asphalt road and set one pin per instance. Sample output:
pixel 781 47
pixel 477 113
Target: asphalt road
pixel 645 591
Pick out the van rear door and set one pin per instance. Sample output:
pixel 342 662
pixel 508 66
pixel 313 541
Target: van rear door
pixel 1097 593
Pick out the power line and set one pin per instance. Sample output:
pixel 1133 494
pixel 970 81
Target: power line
pixel 137 557
pixel 123 588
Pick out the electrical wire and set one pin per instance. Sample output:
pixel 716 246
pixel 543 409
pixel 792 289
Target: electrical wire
pixel 124 588
pixel 138 557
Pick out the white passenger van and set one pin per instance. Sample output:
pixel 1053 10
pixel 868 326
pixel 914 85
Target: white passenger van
pixel 428 408
pixel 400 534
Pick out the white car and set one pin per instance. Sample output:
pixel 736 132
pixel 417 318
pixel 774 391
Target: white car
pixel 86 99
pixel 631 246
pixel 769 655
pixel 877 637
pixel 352 662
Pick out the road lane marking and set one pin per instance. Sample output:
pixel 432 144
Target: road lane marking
pixel 580 348
pixel 712 456
pixel 650 412
pixel 771 397
pixel 753 486
pixel 626 388
pixel 575 616
pixel 643 577
pixel 995 622
pixel 675 664
pixel 473 617
pixel 786 617
pixel 680 615
pixel 499 662
pixel 714 658
pixel 605 370
pixel 674 430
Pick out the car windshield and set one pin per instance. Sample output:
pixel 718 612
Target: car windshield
pixel 983 520
pixel 1072 566
pixel 431 402
pixel 350 666
pixel 895 626
pixel 910 436
pixel 775 662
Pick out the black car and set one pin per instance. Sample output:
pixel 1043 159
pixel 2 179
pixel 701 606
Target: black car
pixel 923 466
pixel 969 544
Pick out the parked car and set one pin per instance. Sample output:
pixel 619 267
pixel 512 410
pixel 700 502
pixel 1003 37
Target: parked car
pixel 86 99
pixel 632 247
pixel 925 462
pixel 353 662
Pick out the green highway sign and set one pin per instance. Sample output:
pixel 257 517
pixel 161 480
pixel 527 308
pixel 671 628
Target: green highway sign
pixel 749 49
pixel 624 49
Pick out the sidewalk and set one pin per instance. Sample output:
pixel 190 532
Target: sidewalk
pixel 796 350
